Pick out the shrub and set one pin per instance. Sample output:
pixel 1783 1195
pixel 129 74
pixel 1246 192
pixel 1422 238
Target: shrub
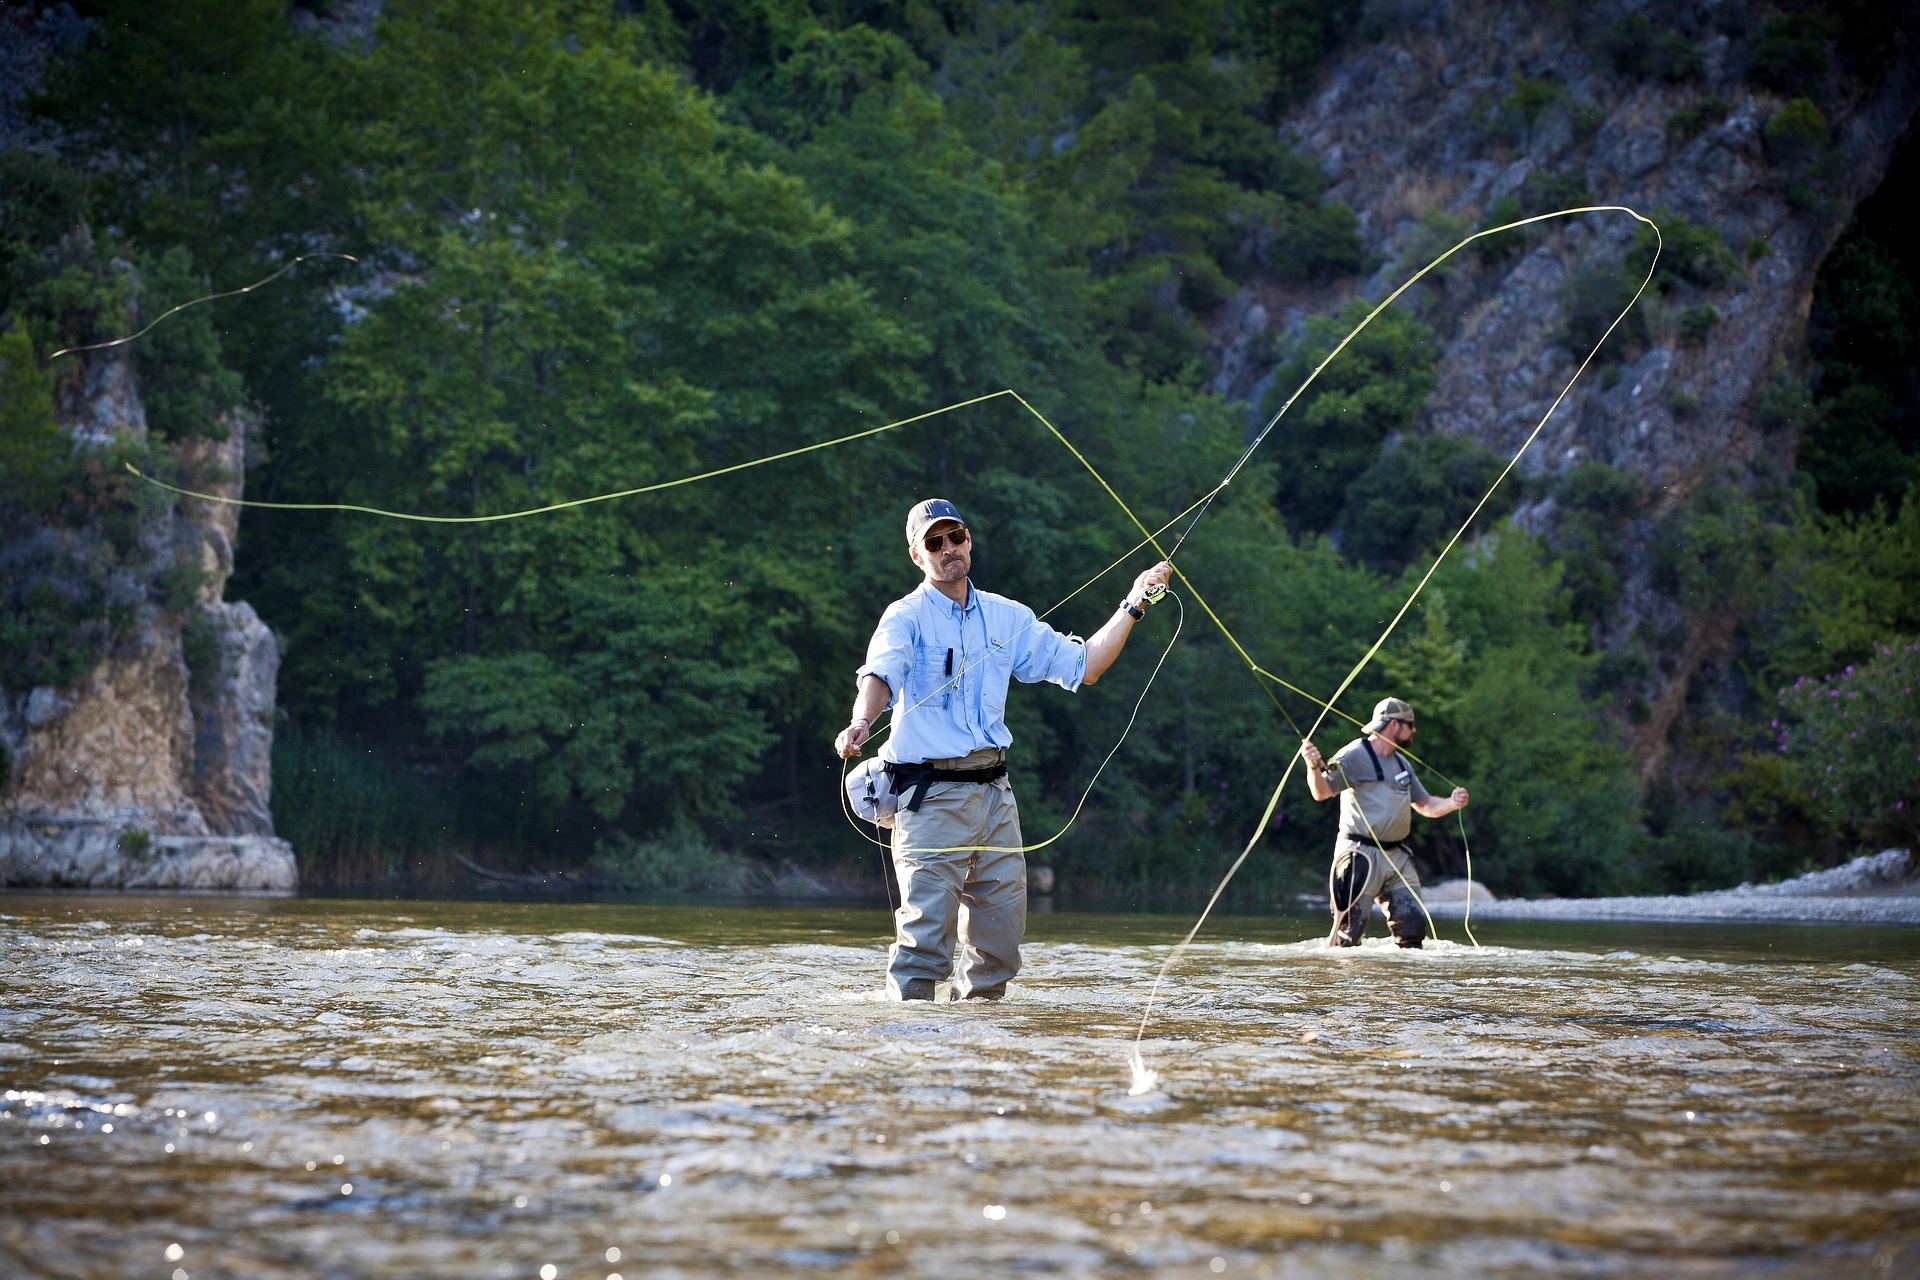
pixel 1512 116
pixel 1586 119
pixel 1682 400
pixel 1696 324
pixel 1633 48
pixel 1785 403
pixel 1591 300
pixel 1316 243
pixel 1541 191
pixel 1504 244
pixel 679 861
pixel 1855 738
pixel 53 627
pixel 1690 122
pixel 178 584
pixel 1790 57
pixel 1675 59
pixel 200 648
pixel 32 446
pixel 1690 254
pixel 1713 553
pixel 1697 852
pixel 1796 133
pixel 1595 502
pixel 1435 233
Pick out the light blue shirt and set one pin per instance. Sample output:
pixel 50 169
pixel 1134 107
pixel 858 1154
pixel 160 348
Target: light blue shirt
pixel 993 640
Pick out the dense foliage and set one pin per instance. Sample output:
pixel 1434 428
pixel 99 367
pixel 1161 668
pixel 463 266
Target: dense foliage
pixel 1852 734
pixel 601 246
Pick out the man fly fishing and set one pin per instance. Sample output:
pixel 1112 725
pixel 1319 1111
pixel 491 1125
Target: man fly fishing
pixel 1379 793
pixel 942 657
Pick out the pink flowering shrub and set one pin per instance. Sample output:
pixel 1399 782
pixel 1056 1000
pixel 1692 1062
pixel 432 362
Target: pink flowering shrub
pixel 1855 739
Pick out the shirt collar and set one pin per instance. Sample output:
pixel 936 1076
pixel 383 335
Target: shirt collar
pixel 936 596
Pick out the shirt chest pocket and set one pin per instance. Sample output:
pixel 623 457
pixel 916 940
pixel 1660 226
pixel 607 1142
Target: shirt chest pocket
pixel 926 679
pixel 996 671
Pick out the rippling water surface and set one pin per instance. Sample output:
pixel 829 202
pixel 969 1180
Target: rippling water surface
pixel 324 1088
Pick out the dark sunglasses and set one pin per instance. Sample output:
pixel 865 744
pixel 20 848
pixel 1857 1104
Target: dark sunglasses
pixel 951 538
pixel 1410 724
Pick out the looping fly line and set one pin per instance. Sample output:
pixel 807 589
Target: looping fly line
pixel 1143 1078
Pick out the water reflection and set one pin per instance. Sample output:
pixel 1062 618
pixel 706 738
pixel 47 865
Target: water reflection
pixel 445 1089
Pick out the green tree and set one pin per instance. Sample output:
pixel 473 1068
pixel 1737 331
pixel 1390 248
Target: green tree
pixel 1333 432
pixel 1555 805
pixel 1416 495
pixel 594 293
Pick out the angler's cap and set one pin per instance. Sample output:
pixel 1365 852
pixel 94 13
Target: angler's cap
pixel 1388 709
pixel 927 514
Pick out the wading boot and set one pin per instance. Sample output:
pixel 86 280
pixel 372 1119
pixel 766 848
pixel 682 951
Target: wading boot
pixel 998 991
pixel 917 989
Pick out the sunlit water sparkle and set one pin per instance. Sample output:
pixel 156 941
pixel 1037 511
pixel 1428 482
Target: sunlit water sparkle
pixel 507 1088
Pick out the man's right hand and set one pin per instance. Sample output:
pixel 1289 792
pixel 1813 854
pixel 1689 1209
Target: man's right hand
pixel 1311 754
pixel 851 739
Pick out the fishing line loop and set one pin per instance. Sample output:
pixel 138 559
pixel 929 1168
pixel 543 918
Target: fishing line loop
pixel 1143 1078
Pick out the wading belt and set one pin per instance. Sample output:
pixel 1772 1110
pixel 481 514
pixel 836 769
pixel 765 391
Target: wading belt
pixel 919 777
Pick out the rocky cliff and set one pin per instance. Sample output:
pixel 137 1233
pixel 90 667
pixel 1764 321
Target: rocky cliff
pixel 152 770
pixel 1446 110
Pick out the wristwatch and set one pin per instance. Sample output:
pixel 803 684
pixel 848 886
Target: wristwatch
pixel 1137 614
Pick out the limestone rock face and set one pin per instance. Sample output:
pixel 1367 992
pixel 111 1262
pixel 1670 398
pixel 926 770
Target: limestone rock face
pixel 231 778
pixel 88 855
pixel 152 771
pixel 1400 126
pixel 118 747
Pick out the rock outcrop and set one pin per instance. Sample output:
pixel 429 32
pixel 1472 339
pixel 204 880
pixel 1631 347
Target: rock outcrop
pixel 1401 124
pixel 153 770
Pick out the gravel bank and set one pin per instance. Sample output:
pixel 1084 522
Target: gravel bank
pixel 1880 889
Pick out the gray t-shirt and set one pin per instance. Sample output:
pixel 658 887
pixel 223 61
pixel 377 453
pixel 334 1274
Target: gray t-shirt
pixel 1382 788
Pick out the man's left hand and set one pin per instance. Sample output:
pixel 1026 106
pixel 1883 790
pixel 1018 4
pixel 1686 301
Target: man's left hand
pixel 1151 580
pixel 1459 797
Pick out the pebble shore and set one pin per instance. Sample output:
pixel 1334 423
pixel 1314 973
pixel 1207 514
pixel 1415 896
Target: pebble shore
pixel 1882 888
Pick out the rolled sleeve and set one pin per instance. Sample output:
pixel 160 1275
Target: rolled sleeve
pixel 890 652
pixel 1045 654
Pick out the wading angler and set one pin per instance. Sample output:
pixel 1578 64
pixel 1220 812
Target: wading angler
pixel 1379 794
pixel 942 658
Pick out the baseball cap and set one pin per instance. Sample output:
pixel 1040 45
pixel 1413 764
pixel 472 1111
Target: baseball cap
pixel 927 514
pixel 1388 709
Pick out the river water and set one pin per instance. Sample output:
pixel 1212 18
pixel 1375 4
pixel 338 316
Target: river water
pixel 207 1088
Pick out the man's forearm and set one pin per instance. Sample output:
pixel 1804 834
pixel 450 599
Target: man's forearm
pixel 1434 807
pixel 872 699
pixel 1105 645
